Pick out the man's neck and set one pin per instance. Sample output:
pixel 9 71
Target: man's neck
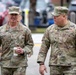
pixel 63 25
pixel 12 24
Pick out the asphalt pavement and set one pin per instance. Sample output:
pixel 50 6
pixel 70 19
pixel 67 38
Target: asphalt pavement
pixel 33 67
pixel 37 38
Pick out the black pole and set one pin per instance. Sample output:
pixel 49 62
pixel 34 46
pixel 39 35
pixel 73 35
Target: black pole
pixel 61 3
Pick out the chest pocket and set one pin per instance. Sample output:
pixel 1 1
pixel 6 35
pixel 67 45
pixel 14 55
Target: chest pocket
pixel 6 39
pixel 54 36
pixel 18 39
pixel 62 36
pixel 68 36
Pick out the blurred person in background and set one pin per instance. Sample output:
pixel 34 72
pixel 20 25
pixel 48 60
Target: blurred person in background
pixel 61 36
pixel 15 44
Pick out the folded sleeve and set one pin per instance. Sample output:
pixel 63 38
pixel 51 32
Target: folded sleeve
pixel 28 42
pixel 44 48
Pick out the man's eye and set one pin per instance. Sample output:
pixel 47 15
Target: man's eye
pixel 14 14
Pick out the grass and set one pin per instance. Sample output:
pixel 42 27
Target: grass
pixel 38 30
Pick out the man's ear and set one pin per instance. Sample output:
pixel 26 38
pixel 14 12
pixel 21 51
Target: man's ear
pixel 64 15
pixel 19 18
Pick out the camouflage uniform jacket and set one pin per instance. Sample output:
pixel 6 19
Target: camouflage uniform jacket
pixel 63 45
pixel 10 38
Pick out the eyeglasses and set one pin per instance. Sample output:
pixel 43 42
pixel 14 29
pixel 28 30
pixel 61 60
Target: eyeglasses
pixel 14 14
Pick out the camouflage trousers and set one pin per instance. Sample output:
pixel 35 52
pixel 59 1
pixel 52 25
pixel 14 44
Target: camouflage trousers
pixel 59 70
pixel 13 71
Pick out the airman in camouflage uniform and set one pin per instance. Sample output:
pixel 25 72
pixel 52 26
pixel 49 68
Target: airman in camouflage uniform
pixel 61 36
pixel 16 43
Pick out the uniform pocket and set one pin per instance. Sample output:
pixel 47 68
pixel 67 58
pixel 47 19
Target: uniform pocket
pixel 16 60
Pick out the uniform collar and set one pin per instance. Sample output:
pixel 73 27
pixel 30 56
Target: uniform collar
pixel 15 28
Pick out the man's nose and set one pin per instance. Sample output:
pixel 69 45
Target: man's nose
pixel 13 16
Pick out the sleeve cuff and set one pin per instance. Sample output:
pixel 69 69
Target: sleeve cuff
pixel 27 50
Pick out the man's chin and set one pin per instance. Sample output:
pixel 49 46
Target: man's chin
pixel 13 21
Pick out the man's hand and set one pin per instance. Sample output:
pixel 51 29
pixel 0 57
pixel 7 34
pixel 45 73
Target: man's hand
pixel 42 69
pixel 19 50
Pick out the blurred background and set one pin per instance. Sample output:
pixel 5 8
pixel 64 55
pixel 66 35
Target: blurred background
pixel 36 14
